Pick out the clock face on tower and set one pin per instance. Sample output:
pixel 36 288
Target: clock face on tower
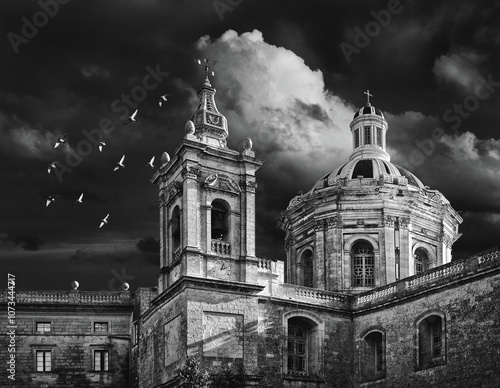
pixel 221 269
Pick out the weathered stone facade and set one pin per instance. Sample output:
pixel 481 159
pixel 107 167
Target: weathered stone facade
pixel 368 296
pixel 58 333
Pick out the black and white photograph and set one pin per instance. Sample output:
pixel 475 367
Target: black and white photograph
pixel 249 193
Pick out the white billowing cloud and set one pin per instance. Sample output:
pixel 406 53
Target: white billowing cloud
pixel 459 69
pixel 466 147
pixel 462 147
pixel 269 94
pixel 470 167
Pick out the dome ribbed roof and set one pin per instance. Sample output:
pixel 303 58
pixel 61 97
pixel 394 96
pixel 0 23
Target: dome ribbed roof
pixel 371 168
pixel 368 110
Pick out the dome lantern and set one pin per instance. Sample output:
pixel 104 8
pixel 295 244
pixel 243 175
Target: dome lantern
pixel 369 129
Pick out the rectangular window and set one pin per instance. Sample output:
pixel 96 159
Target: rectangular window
pixel 100 327
pixel 297 353
pixel 369 271
pixel 135 334
pixel 43 361
pixel 43 327
pixel 379 136
pixel 436 342
pixel 368 135
pixel 356 138
pixel 101 360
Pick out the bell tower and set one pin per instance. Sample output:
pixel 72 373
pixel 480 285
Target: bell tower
pixel 207 200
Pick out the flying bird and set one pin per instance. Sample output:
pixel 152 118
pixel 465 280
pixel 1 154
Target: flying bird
pixel 52 166
pixel 101 145
pixel 120 164
pixel 49 200
pixel 80 199
pixel 61 140
pixel 150 164
pixel 132 119
pixel 104 221
pixel 163 98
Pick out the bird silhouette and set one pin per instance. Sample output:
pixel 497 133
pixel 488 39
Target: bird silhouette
pixel 163 98
pixel 49 200
pixel 80 199
pixel 120 164
pixel 104 221
pixel 52 166
pixel 61 140
pixel 101 145
pixel 131 118
pixel 150 164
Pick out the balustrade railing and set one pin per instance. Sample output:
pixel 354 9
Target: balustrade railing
pixel 221 247
pixel 70 297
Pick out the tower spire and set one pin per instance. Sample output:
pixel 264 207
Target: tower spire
pixel 207 64
pixel 210 126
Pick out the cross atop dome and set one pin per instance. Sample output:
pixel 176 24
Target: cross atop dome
pixel 368 95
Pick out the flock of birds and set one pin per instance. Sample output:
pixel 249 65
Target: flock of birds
pixel 63 140
pixel 121 163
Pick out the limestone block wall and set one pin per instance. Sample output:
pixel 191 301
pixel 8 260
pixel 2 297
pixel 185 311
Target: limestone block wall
pixel 72 340
pixel 333 353
pixel 471 311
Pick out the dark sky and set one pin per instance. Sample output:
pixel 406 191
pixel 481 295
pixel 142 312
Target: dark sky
pixel 289 75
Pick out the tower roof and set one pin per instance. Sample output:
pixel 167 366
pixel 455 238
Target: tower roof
pixel 369 110
pixel 210 126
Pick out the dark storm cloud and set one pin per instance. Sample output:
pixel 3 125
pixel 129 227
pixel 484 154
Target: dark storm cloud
pixel 29 240
pixel 148 244
pixel 150 247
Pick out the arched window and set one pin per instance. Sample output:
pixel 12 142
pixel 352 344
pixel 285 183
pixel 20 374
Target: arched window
pixel 220 220
pixel 431 341
pixel 176 228
pixel 421 261
pixel 356 138
pixel 363 262
pixel 372 357
pixel 304 344
pixel 305 269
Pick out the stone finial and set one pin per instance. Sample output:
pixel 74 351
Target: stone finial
pixel 75 285
pixel 165 158
pixel 189 129
pixel 125 286
pixel 246 147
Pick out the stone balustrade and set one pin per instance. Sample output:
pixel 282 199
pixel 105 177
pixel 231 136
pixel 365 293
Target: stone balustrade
pixel 434 274
pixel 439 275
pixel 70 297
pixel 221 247
pixel 312 295
pixel 265 263
pixel 381 292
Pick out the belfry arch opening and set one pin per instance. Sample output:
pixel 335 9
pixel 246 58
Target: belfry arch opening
pixel 220 220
